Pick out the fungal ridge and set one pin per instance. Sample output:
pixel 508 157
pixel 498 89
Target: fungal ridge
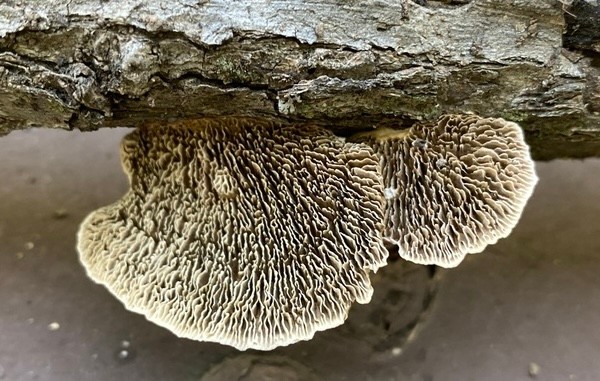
pixel 454 187
pixel 254 235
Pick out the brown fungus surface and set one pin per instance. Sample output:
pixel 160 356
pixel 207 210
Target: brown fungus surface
pixel 452 188
pixel 240 232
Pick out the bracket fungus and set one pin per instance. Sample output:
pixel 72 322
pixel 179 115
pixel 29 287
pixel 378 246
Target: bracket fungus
pixel 452 188
pixel 241 232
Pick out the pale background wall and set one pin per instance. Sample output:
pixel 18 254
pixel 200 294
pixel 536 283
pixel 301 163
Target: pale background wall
pixel 532 298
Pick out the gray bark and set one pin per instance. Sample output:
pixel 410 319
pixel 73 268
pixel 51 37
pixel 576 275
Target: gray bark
pixel 349 65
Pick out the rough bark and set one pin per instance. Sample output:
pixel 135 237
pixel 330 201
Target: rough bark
pixel 349 65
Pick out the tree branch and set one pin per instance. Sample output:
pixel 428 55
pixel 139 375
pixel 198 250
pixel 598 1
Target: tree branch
pixel 350 66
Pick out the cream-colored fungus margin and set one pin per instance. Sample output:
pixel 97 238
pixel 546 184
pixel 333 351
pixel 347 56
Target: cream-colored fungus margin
pixel 245 233
pixel 452 188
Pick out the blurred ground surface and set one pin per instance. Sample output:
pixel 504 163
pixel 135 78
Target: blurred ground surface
pixel 529 307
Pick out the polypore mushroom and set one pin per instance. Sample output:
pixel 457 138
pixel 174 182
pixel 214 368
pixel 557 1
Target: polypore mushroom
pixel 241 232
pixel 452 188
